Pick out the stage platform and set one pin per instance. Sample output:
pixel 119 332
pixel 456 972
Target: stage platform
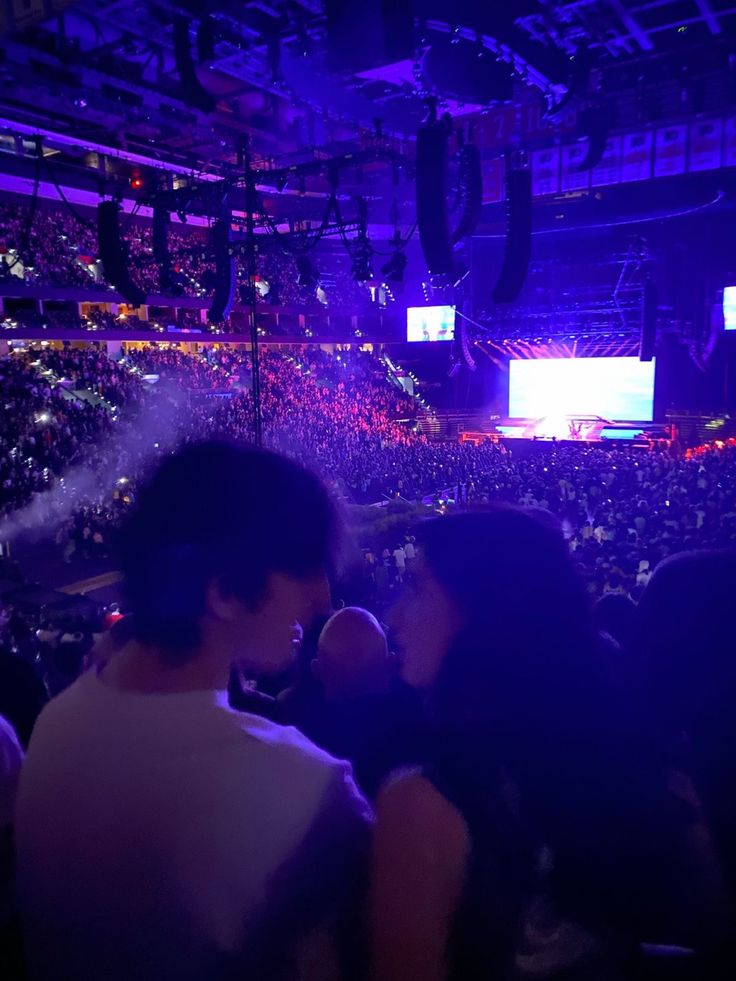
pixel 572 430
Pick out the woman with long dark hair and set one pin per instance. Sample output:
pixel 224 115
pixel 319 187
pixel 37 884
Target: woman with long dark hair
pixel 539 840
pixel 684 654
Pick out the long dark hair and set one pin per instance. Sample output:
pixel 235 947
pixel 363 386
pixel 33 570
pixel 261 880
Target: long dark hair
pixel 526 695
pixel 683 656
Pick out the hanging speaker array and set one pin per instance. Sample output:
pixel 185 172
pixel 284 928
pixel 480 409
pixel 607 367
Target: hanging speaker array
pixel 161 254
pixel 432 218
pixel 194 92
pixel 517 250
pixel 225 279
pixel 435 236
pixel 464 341
pixel 113 253
pixel 470 181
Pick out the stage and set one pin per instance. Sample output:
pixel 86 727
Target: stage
pixel 573 430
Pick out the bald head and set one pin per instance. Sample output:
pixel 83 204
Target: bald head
pixel 352 655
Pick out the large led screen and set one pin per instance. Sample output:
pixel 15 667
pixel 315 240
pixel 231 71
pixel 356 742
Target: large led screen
pixel 430 323
pixel 729 307
pixel 612 388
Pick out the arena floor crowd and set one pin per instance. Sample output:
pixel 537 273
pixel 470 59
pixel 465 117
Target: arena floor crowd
pixel 538 644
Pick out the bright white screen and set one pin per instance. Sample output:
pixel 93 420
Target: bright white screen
pixel 729 307
pixel 430 323
pixel 613 388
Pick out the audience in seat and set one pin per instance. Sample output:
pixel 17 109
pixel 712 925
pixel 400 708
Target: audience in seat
pixel 541 838
pixel 364 713
pixel 51 247
pixel 161 834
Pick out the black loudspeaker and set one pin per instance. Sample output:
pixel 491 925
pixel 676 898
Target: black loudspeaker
pixel 194 93
pixel 206 39
pixel 594 123
pixel 432 218
pixel 471 191
pixel 518 236
pixel 368 34
pixel 113 255
pixel 225 281
pixel 464 343
pixel 161 254
pixel 648 340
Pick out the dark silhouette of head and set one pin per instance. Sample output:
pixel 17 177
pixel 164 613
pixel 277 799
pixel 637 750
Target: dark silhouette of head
pixel 352 655
pixel 685 651
pixel 524 690
pixel 217 513
pixel 615 614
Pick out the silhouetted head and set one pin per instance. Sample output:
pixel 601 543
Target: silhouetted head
pixel 615 614
pixel 685 636
pixel 231 544
pixel 352 655
pixel 684 649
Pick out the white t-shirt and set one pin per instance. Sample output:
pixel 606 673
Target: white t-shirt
pixel 167 836
pixel 400 558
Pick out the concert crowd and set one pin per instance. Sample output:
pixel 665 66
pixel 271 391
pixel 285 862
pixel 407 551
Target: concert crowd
pixel 534 695
pixel 53 246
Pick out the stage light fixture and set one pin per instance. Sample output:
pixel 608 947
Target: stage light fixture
pixel 308 275
pixel 361 270
pixel 393 270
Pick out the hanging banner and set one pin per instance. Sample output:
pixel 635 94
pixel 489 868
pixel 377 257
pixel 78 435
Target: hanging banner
pixel 670 151
pixel 572 178
pixel 705 144
pixel 729 142
pixel 608 168
pixel 494 129
pixel 545 171
pixel 498 129
pixel 493 172
pixel 636 156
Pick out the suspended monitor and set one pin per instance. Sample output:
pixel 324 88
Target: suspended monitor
pixel 610 388
pixel 430 323
pixel 729 307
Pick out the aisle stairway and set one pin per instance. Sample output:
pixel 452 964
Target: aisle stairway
pixel 449 425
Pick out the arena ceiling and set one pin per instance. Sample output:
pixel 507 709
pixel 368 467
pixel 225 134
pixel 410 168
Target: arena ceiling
pixel 186 84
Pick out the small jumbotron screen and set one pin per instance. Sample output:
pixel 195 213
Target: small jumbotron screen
pixel 430 323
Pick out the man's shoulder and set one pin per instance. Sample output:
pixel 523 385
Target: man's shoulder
pixel 309 774
pixel 289 746
pixel 64 705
